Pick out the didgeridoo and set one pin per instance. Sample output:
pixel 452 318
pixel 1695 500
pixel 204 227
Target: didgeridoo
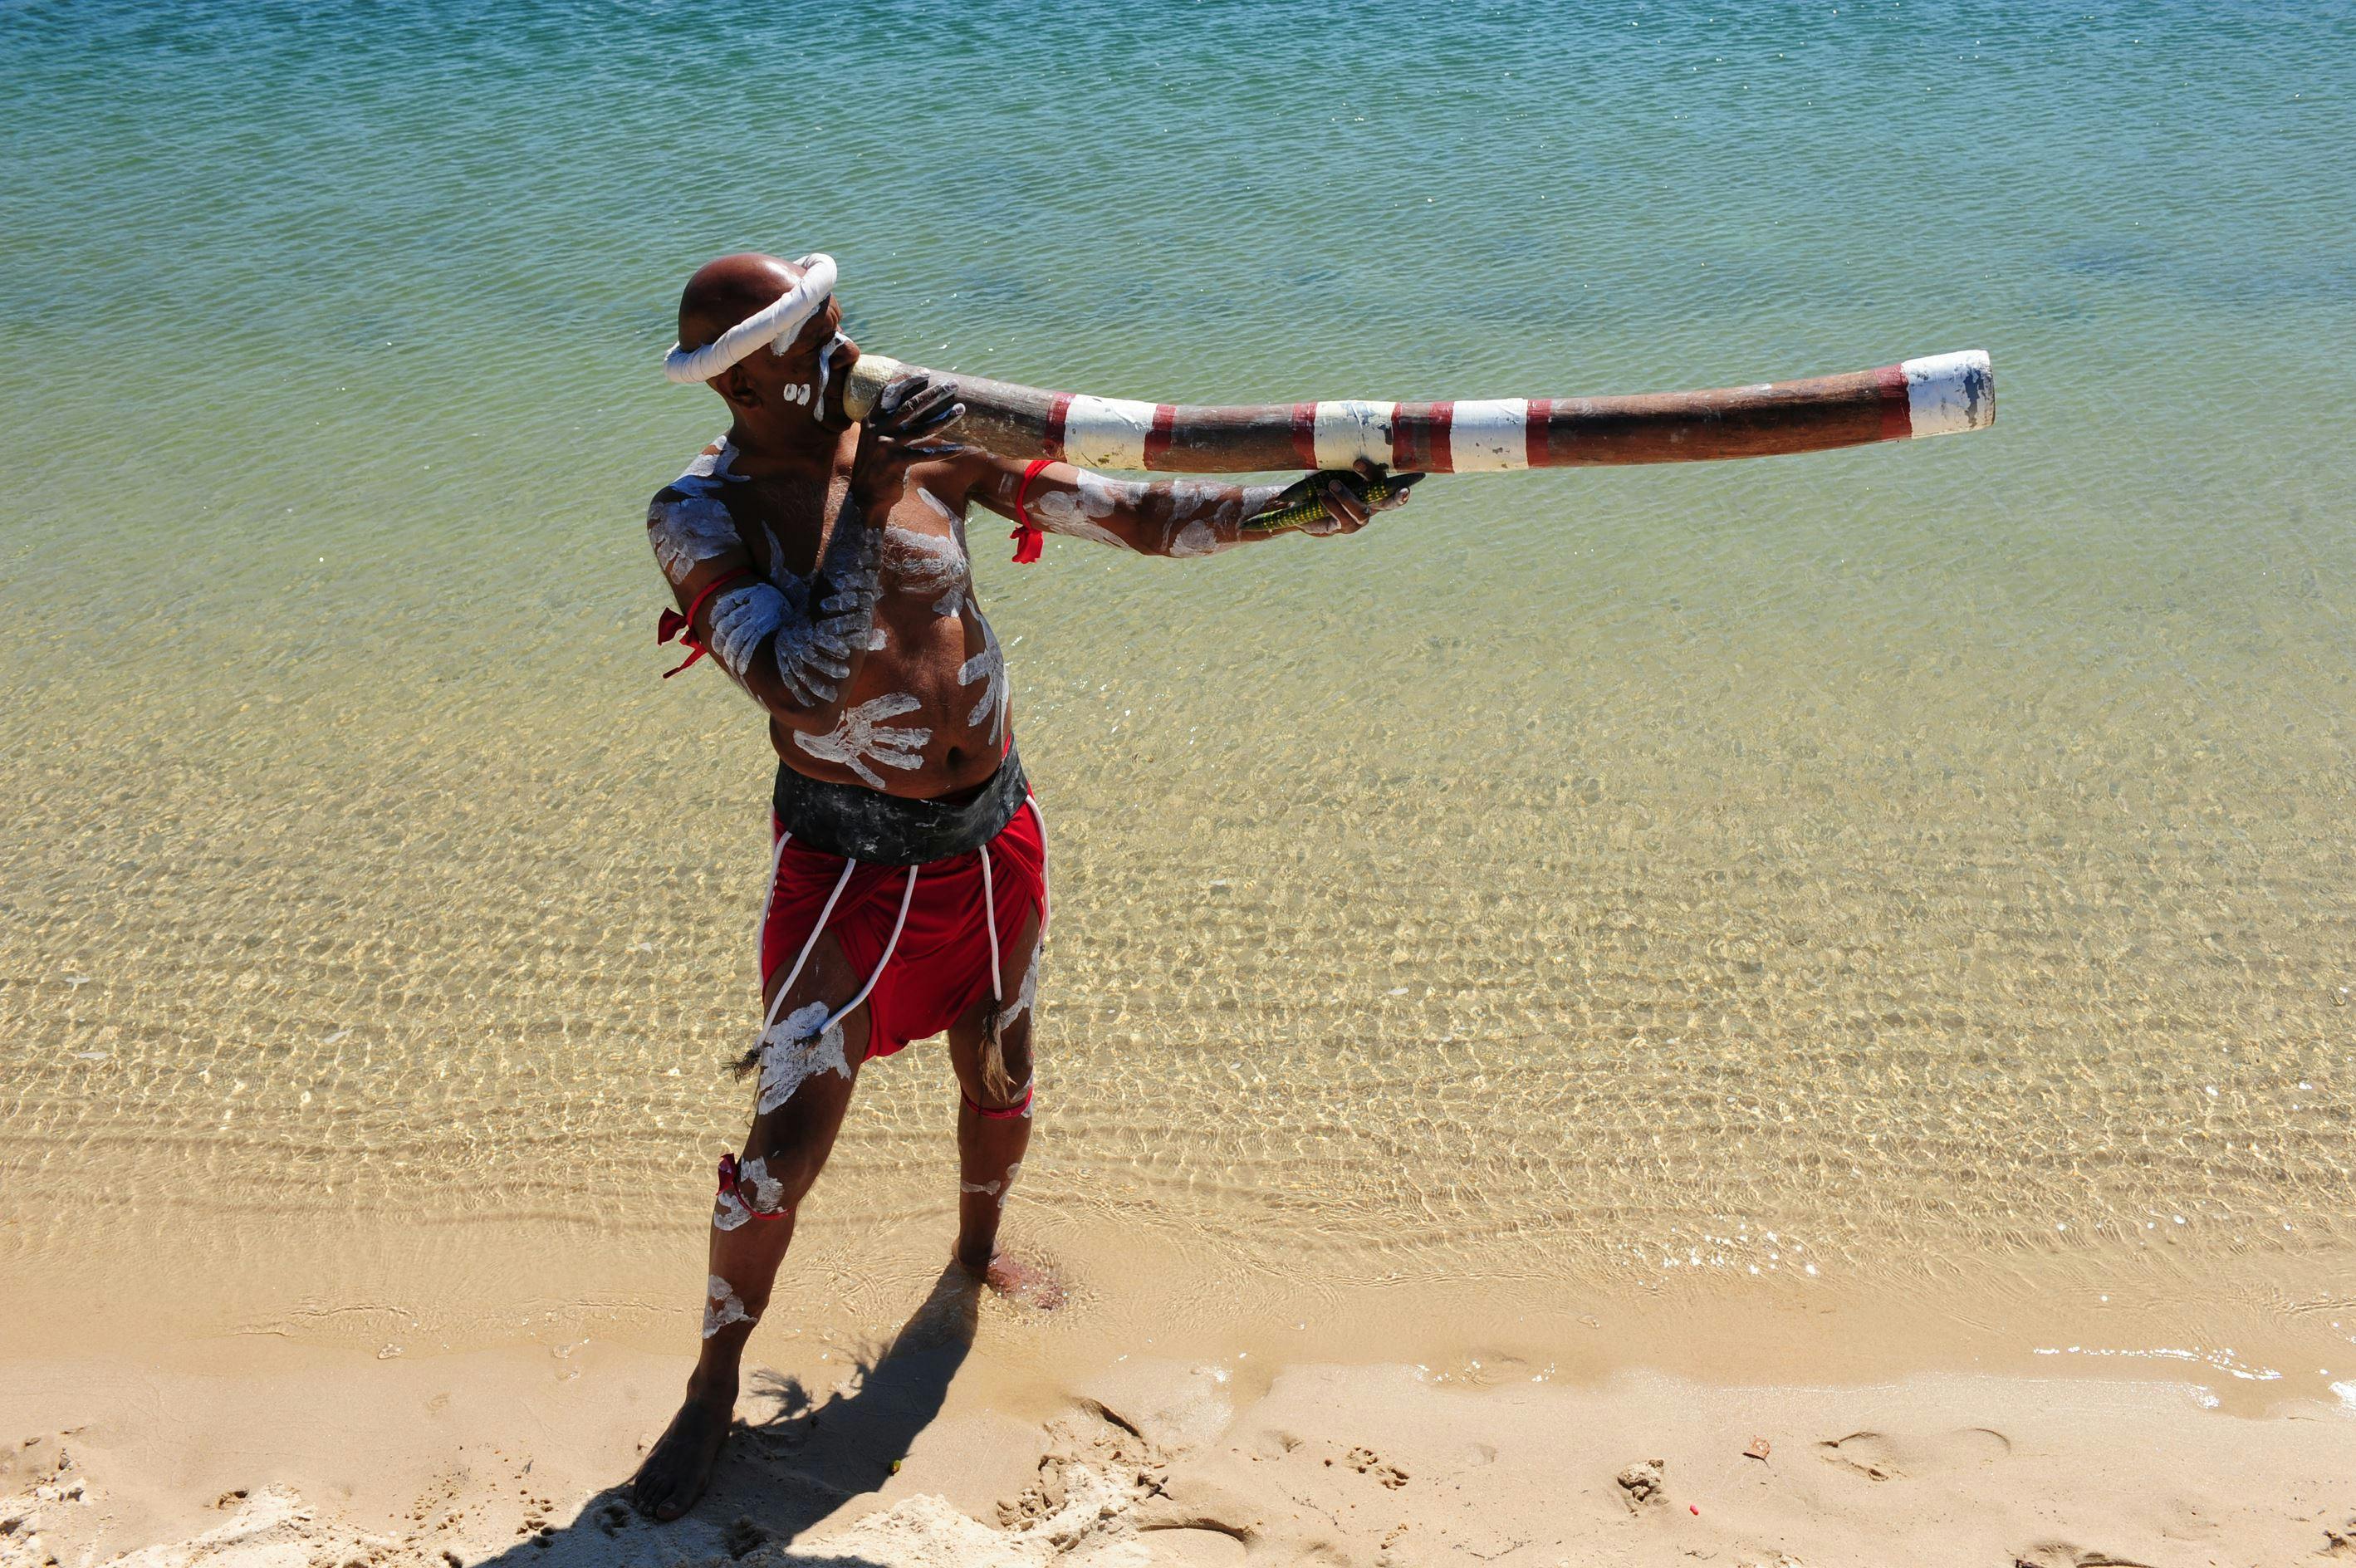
pixel 1940 395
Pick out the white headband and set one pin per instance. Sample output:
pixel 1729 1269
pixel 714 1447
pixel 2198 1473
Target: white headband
pixel 778 322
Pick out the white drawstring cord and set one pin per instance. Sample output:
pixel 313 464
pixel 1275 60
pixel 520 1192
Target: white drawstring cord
pixel 1041 818
pixel 769 893
pixel 989 918
pixel 794 973
pixel 906 894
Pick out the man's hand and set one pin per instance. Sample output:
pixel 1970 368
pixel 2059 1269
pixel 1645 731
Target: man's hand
pixel 1351 496
pixel 912 409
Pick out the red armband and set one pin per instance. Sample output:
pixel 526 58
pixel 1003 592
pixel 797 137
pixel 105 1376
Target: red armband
pixel 1028 541
pixel 682 627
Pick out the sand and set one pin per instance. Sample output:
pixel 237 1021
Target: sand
pixel 270 1454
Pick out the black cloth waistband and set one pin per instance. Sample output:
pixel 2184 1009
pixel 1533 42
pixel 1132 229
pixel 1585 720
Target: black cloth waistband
pixel 876 829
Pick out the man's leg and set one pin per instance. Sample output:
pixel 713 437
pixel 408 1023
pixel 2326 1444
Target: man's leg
pixel 783 1153
pixel 990 1049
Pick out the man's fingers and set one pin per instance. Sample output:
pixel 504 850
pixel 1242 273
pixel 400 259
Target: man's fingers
pixel 1346 505
pixel 1400 485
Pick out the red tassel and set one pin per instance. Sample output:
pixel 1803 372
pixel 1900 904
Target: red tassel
pixel 1028 542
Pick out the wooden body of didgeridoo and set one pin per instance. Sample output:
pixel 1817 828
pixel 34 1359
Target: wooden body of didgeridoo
pixel 1939 395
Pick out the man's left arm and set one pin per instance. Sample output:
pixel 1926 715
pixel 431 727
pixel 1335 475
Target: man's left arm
pixel 1173 517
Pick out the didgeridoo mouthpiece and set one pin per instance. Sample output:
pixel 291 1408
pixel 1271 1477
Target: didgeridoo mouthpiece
pixel 1942 394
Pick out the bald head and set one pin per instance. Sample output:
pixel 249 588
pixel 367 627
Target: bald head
pixel 726 291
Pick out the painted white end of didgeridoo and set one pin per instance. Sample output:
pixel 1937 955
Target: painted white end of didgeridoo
pixel 1489 436
pixel 1106 432
pixel 1949 394
pixel 868 377
pixel 1350 430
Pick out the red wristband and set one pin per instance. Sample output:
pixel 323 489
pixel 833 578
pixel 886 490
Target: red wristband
pixel 1028 541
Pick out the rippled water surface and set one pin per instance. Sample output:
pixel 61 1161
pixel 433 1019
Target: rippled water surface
pixel 1853 863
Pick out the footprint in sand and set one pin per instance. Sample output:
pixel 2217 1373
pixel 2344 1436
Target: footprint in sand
pixel 1880 1456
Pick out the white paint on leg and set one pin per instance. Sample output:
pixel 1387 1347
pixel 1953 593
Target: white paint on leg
pixel 769 1192
pixel 1347 431
pixel 1949 394
pixel 721 1306
pixel 1490 435
pixel 728 1211
pixel 793 1050
pixel 1108 430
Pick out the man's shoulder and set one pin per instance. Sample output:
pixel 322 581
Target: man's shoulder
pixel 704 476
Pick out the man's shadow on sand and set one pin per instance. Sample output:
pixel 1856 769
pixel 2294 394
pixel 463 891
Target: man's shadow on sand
pixel 783 1474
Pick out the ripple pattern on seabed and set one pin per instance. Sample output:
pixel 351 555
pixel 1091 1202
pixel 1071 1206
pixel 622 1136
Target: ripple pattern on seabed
pixel 1851 864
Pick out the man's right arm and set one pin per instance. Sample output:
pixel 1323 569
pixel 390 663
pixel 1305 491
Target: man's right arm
pixel 794 647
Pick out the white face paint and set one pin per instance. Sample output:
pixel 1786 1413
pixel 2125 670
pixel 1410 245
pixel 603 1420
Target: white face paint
pixel 741 619
pixel 721 1306
pixel 989 667
pixel 796 1049
pixel 687 530
pixel 860 737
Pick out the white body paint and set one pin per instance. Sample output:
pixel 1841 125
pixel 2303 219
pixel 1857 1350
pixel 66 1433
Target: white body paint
pixel 769 1192
pixel 860 737
pixel 1196 538
pixel 1350 430
pixel 1107 430
pixel 778 324
pixel 740 619
pixel 721 1306
pixel 688 531
pixel 793 1050
pixel 1949 394
pixel 989 667
pixel 998 1188
pixel 929 565
pixel 728 1212
pixel 1489 437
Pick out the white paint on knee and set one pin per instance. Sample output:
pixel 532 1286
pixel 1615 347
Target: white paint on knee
pixel 796 1049
pixel 769 1192
pixel 722 1306
pixel 728 1211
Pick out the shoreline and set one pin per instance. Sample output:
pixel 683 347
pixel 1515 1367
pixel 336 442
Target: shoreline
pixel 268 1453
pixel 1426 1420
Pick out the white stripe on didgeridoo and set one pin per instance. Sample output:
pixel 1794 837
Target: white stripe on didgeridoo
pixel 1486 436
pixel 1948 393
pixel 1107 431
pixel 1349 430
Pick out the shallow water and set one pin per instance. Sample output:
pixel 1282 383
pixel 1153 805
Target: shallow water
pixel 1889 866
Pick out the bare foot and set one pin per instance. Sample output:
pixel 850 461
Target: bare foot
pixel 678 1467
pixel 1026 1285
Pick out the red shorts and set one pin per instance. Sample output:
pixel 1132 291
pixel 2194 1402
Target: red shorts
pixel 943 962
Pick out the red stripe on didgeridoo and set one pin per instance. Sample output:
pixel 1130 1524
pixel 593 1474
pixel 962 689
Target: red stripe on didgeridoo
pixel 1534 420
pixel 1897 417
pixel 1157 439
pixel 1304 434
pixel 1419 434
pixel 1051 444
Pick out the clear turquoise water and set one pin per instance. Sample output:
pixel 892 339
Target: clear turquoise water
pixel 1910 850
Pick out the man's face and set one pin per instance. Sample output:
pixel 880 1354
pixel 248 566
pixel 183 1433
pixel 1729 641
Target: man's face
pixel 790 383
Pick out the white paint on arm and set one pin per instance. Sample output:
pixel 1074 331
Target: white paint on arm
pixel 687 530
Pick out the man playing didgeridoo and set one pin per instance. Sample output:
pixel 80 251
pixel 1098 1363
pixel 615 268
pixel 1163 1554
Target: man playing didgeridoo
pixel 822 564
